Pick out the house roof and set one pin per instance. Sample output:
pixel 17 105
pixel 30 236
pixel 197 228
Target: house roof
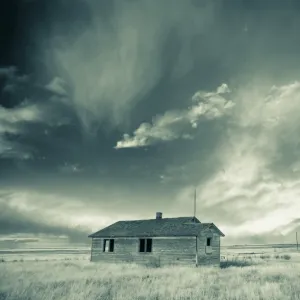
pixel 183 226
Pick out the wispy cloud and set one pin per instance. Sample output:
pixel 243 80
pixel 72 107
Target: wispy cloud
pixel 112 66
pixel 25 113
pixel 177 124
pixel 57 86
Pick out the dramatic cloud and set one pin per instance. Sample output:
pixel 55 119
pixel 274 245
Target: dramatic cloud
pixel 12 123
pixel 12 75
pixel 113 66
pixel 57 86
pixel 94 70
pixel 255 189
pixel 19 214
pixel 175 124
pixel 24 113
pixel 11 80
pixel 8 72
pixel 30 106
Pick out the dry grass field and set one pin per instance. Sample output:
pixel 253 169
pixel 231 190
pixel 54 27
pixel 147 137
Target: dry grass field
pixel 240 278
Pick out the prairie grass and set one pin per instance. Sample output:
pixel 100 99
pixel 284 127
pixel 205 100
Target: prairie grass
pixel 78 280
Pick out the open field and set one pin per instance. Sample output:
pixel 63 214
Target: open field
pixel 43 254
pixel 239 278
pixel 266 252
pixel 83 253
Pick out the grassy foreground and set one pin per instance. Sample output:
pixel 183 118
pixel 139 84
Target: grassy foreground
pixel 84 280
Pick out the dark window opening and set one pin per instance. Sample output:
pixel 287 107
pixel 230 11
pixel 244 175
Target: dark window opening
pixel 108 245
pixel 208 242
pixel 145 245
pixel 111 245
pixel 142 245
pixel 149 245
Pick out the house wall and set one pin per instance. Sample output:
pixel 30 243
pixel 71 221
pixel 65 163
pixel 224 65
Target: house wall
pixel 165 251
pixel 204 258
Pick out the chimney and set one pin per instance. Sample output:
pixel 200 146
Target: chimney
pixel 158 215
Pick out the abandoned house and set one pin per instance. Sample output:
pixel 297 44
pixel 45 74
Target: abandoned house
pixel 159 241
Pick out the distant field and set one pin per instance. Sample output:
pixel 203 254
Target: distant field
pixel 267 252
pixel 83 253
pixel 227 252
pixel 44 254
pixel 239 278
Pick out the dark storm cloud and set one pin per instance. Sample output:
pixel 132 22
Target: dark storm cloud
pixel 90 71
pixel 15 220
pixel 12 86
pixel 31 113
pixel 114 65
pixel 16 88
pixel 104 78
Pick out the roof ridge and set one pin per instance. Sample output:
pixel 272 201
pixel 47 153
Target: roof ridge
pixel 153 219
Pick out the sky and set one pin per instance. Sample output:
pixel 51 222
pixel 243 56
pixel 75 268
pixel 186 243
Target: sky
pixel 114 110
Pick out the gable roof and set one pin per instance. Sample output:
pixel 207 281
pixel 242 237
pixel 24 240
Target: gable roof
pixel 169 227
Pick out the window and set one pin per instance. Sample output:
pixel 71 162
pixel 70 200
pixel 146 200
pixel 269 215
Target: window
pixel 142 245
pixel 108 245
pixel 145 245
pixel 149 245
pixel 208 241
pixel 208 248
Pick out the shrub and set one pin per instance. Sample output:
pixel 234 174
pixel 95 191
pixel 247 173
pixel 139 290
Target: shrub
pixel 265 256
pixel 235 263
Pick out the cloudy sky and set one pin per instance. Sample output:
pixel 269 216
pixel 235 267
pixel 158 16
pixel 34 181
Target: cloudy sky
pixel 113 110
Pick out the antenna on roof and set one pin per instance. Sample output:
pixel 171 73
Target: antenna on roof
pixel 195 196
